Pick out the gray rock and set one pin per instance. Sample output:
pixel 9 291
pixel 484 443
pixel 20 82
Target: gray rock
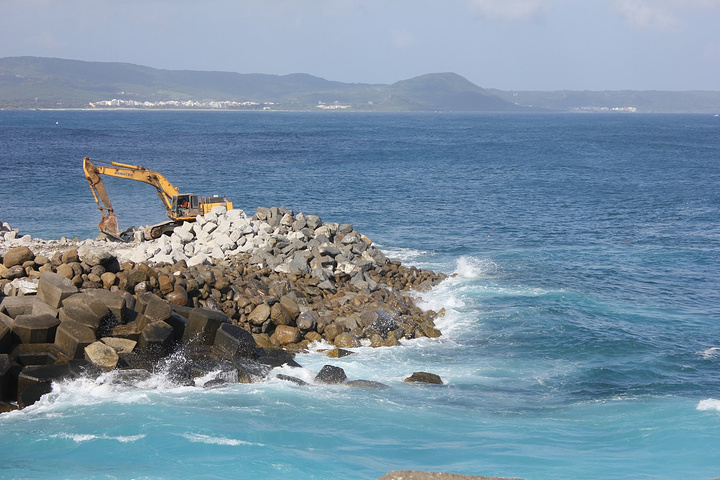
pixel 94 255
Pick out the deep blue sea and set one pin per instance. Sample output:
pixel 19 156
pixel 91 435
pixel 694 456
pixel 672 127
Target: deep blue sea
pixel 582 333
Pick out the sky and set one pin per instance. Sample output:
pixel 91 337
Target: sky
pixel 503 44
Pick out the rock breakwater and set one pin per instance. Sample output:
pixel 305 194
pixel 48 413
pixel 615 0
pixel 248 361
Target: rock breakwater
pixel 228 293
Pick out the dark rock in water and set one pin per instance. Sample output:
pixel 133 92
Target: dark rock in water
pixel 135 361
pixel 277 357
pixel 385 323
pixel 156 340
pixel 366 384
pixel 215 383
pixel 290 378
pixel 424 377
pixel 35 381
pixel 250 370
pixel 339 353
pixel 202 325
pixel 130 377
pixel 4 369
pixel 231 340
pixel 331 375
pixel 83 368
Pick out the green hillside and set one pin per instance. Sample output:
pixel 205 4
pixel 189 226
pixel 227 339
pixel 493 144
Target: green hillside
pixel 33 82
pixel 36 82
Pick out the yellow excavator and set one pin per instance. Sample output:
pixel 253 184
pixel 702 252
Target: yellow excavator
pixel 181 207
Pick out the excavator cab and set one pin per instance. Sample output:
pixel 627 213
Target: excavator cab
pixel 186 206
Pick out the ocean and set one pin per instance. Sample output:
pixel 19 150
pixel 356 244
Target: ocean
pixel 581 338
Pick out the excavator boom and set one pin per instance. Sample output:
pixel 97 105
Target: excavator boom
pixel 179 207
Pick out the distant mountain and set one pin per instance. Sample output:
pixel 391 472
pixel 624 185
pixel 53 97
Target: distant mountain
pixel 36 82
pixel 648 101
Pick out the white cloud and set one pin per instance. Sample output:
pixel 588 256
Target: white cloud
pixel 515 10
pixel 661 15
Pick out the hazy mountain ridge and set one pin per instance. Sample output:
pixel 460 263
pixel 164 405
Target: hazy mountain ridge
pixel 37 82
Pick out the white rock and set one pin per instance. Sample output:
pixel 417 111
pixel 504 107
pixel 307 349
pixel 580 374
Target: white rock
pixel 200 259
pixel 224 242
pixel 162 258
pixel 185 226
pixel 219 210
pixel 22 285
pixel 236 214
pixel 224 226
pixel 209 227
pixel 217 253
pixel 184 236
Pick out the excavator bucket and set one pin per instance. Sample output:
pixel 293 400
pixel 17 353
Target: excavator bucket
pixel 109 225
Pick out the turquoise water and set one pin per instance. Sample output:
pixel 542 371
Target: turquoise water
pixel 582 334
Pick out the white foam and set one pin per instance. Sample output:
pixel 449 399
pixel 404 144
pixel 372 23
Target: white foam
pixel 80 438
pixel 210 440
pixel 403 254
pixel 471 267
pixel 711 353
pixel 709 404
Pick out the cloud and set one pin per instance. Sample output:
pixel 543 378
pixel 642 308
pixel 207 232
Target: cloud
pixel 514 10
pixel 661 15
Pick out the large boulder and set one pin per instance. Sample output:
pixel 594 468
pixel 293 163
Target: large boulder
pixel 260 314
pixel 72 338
pixel 53 288
pixel 102 355
pixel 17 256
pixel 114 302
pixel 35 328
pixel 156 340
pixel 286 334
pixel 231 340
pixel 202 325
pixel 93 256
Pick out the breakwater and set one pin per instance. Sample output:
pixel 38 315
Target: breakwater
pixel 223 299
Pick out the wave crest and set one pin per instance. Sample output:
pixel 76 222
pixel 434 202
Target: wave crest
pixel 709 404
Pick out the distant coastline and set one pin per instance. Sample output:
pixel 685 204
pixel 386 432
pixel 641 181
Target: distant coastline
pixel 29 83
